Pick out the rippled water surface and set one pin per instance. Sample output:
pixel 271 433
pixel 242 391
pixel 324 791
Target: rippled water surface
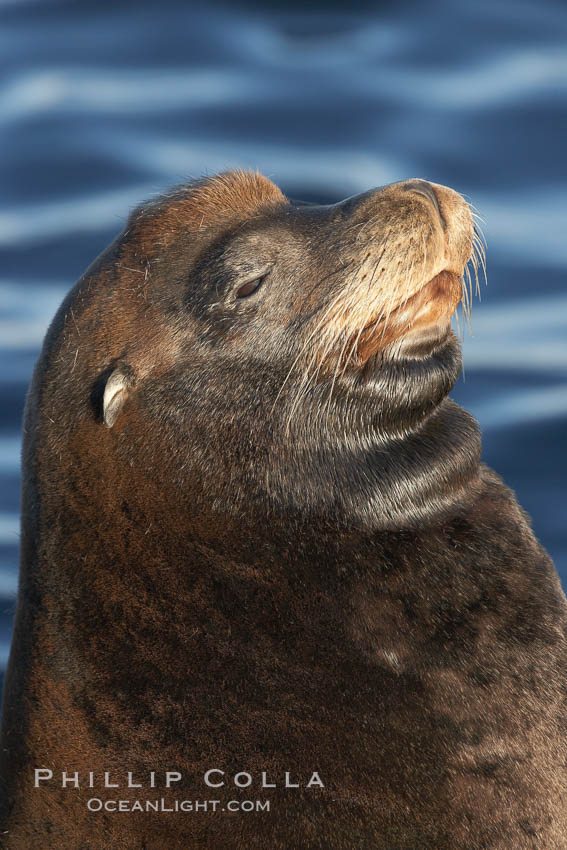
pixel 105 104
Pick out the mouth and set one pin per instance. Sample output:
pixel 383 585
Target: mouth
pixel 430 307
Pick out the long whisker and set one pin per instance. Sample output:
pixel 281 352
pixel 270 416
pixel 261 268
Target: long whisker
pixel 309 376
pixel 348 337
pixel 480 255
pixel 369 312
pixel 308 340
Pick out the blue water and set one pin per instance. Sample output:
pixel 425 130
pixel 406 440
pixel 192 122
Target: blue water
pixel 105 104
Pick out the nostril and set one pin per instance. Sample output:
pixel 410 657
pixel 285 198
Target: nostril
pixel 422 187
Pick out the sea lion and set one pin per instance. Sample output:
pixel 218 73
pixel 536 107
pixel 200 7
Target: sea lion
pixel 258 544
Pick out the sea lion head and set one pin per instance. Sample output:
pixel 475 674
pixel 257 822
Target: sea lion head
pixel 244 353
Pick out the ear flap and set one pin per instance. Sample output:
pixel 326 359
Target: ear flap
pixel 115 394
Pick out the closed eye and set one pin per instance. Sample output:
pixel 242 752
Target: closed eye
pixel 250 286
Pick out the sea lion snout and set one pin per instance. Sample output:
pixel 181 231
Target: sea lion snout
pixel 407 246
pixel 422 187
pixel 419 215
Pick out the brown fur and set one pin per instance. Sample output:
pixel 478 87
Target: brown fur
pixel 210 204
pixel 266 565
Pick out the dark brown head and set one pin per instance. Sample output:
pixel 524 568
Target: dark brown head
pixel 247 353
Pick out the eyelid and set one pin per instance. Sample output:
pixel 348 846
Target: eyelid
pixel 250 284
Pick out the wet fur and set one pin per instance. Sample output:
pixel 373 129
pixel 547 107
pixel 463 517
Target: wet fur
pixel 278 558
